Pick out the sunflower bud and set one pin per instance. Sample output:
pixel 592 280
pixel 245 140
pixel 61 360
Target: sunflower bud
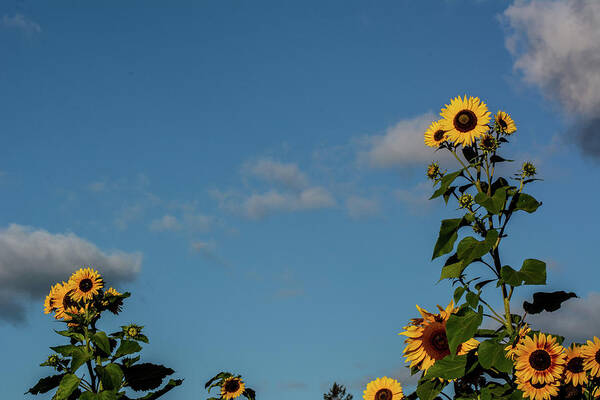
pixel 488 144
pixel 132 331
pixel 528 169
pixel 433 171
pixel 465 201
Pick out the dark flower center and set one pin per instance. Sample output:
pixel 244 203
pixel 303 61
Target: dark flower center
pixel 571 392
pixel 465 121
pixel 538 385
pixel 85 285
pixel 67 301
pixel 502 123
pixel 232 386
pixel 438 135
pixel 435 341
pixel 598 357
pixel 575 365
pixel 384 394
pixel 540 360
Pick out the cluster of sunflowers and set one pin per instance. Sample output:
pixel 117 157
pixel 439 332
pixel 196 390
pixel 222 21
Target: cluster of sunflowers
pixel 532 364
pixel 82 294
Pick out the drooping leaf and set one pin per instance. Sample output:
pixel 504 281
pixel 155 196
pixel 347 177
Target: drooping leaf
pixel 146 376
pixel 462 326
pixel 470 249
pixel 75 335
pixel 526 203
pixel 447 236
pixel 493 204
pixel 533 272
pixel 80 357
pixel 452 268
pixel 547 301
pixel 445 182
pixel 496 159
pixel 127 347
pixel 65 350
pixel 101 341
pixel 111 376
pixel 46 384
pixel 449 367
pixel 491 354
pixel 458 292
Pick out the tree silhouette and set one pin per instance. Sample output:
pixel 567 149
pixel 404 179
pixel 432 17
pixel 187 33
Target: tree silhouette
pixel 337 392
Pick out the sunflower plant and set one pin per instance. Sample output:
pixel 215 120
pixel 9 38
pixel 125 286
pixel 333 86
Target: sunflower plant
pixel 94 365
pixel 450 348
pixel 230 386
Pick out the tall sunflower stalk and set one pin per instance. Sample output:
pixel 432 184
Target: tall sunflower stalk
pixel 449 348
pixel 94 366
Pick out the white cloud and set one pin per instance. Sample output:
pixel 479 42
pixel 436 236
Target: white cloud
pixel 416 198
pixel 204 247
pixel 21 22
pixel 362 207
pixel 257 206
pixel 401 145
pixel 276 172
pixel 31 260
pixel 198 222
pixel 577 319
pixel 97 187
pixel 166 223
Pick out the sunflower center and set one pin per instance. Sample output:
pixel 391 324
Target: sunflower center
pixel 540 360
pixel 502 123
pixel 383 394
pixel 538 385
pixel 438 135
pixel 132 332
pixel 598 357
pixel 67 301
pixel 85 285
pixel 232 386
pixel 435 342
pixel 575 365
pixel 465 121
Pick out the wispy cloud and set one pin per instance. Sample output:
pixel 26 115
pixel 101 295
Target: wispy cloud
pixel 31 260
pixel 556 45
pixel 20 22
pixel 287 174
pixel 361 207
pixel 416 199
pixel 166 223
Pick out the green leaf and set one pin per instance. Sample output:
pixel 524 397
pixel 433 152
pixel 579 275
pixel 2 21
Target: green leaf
pixel 65 350
pixel 445 183
pixel 452 269
pixel 428 389
pixel 449 367
pixel 67 385
pixel 88 396
pixel 74 335
pixel 472 299
pixel 493 204
pixel 46 384
pixel 511 276
pixel 127 347
pixel 470 249
pixel 80 357
pixel 533 272
pixel 462 326
pixel 146 376
pixel 458 292
pixel 447 236
pixel 526 202
pixel 111 376
pixel 101 341
pixel 491 354
pixel 249 394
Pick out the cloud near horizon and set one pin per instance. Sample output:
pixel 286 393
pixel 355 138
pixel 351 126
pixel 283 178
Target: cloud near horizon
pixel 557 45
pixel 31 260
pixel 20 22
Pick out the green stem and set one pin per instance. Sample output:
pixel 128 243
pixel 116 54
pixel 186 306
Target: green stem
pixel 88 363
pixel 476 182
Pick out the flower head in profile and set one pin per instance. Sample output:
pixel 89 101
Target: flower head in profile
pixel 591 356
pixel 383 389
pixel 538 391
pixel 511 349
pixel 504 123
pixel 464 120
pixel 435 135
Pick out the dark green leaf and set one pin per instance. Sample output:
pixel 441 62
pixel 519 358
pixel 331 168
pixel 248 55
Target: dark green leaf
pixel 458 292
pixel 67 385
pixel 447 236
pixel 481 284
pixel 101 341
pixel 146 376
pixel 46 384
pixel 462 326
pixel 452 270
pixel 127 347
pixel 155 395
pixel 470 249
pixel 469 153
pixel 544 301
pixel 449 367
pixel 526 202
pixel 250 394
pixel 111 376
pixel 511 276
pixel 445 183
pixel 428 389
pixel 80 357
pixel 472 299
pixel 491 354
pixel 75 335
pixel 533 272
pixel 496 159
pixel 494 203
pixel 65 350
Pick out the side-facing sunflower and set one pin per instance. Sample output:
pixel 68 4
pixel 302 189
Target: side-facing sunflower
pixel 505 123
pixel 49 305
pixel 537 391
pixel 539 359
pixel 61 299
pixel 426 340
pixel 591 355
pixel 85 283
pixel 574 372
pixel 464 120
pixel 435 135
pixel 512 347
pixel 383 389
pixel 232 387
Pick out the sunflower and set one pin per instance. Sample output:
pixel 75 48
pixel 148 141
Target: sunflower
pixel 61 299
pixel 112 292
pixel 73 310
pixel 538 391
pixel 85 284
pixel 383 389
pixel 232 387
pixel 426 338
pixel 574 371
pixel 435 135
pixel 511 349
pixel 591 356
pixel 49 303
pixel 539 359
pixel 464 120
pixel 505 123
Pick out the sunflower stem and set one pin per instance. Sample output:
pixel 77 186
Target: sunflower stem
pixel 476 182
pixel 88 363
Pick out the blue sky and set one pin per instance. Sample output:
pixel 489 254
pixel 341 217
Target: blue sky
pixel 253 172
